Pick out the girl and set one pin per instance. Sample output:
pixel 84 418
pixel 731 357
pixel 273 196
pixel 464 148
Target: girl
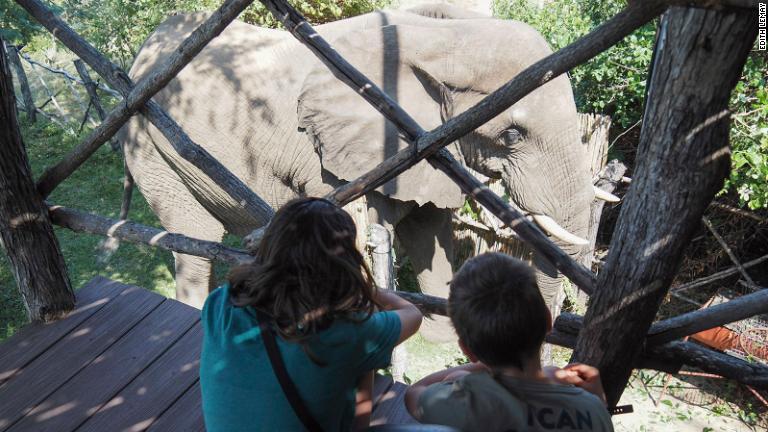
pixel 310 292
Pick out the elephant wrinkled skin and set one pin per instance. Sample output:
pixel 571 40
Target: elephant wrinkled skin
pixel 265 107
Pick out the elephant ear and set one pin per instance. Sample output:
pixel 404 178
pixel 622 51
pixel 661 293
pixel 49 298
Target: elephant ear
pixel 351 137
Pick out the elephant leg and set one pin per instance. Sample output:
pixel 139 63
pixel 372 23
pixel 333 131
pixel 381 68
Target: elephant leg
pixel 426 235
pixel 194 275
pixel 178 210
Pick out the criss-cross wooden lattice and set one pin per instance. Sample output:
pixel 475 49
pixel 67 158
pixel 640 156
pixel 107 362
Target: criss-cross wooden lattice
pixel 427 145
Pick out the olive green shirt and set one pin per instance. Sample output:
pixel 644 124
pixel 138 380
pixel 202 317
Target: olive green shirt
pixel 478 402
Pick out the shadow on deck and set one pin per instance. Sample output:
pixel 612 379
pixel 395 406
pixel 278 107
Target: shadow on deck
pixel 125 359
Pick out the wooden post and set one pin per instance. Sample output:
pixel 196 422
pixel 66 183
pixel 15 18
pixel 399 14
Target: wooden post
pixel 380 242
pixel 90 87
pixel 26 92
pixel 683 159
pixel 25 230
pixel 358 210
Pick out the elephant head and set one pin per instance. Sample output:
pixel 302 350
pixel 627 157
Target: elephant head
pixel 436 72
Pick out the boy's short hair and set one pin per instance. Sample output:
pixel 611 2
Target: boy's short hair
pixel 497 309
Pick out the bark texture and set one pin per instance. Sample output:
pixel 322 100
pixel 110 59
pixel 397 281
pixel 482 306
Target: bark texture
pixel 26 233
pixel 683 159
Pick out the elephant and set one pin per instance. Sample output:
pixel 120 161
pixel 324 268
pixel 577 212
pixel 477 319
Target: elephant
pixel 273 114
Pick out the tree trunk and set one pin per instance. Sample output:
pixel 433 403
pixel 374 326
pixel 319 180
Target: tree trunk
pixel 683 159
pixel 26 92
pixel 25 230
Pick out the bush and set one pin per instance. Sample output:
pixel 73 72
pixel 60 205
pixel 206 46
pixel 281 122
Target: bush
pixel 613 83
pixel 118 27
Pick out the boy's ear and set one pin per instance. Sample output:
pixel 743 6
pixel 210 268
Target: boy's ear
pixel 470 355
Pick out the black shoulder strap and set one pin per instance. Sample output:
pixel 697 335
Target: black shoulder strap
pixel 291 393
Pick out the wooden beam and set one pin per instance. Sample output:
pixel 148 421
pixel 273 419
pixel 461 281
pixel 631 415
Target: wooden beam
pixel 707 318
pixel 26 233
pixel 133 232
pixel 687 324
pixel 514 219
pixel 683 160
pixel 718 276
pixel 670 356
pixel 241 197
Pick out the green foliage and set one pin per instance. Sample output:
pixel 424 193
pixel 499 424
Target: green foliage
pixel 16 26
pixel 118 27
pixel 613 83
pixel 316 11
pixel 749 134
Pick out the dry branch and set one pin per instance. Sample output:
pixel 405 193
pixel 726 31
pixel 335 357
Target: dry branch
pixel 90 87
pixel 79 221
pixel 727 250
pixel 66 75
pixel 718 276
pixel 240 194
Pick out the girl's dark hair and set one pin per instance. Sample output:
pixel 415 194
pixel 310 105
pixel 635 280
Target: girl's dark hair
pixel 308 271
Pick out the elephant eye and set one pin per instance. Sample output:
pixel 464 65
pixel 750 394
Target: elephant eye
pixel 511 136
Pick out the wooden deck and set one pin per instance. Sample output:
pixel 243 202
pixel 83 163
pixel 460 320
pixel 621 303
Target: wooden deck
pixel 125 359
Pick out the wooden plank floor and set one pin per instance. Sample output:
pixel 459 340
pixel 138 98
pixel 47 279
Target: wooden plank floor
pixel 125 359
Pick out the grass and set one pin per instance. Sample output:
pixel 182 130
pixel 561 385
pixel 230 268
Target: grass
pixel 96 187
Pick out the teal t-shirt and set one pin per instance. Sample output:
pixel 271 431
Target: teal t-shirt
pixel 241 392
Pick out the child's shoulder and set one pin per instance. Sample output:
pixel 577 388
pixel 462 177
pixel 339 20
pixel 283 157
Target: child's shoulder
pixel 217 297
pixel 217 305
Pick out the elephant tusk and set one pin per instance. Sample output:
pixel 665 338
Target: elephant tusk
pixel 605 195
pixel 549 225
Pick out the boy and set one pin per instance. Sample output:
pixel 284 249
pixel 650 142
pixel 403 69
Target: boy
pixel 501 320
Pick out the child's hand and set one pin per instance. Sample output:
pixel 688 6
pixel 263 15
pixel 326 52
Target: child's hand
pixel 580 375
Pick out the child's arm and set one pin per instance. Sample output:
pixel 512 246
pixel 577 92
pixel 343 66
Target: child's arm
pixel 413 392
pixel 580 375
pixel 410 316
pixel 363 402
